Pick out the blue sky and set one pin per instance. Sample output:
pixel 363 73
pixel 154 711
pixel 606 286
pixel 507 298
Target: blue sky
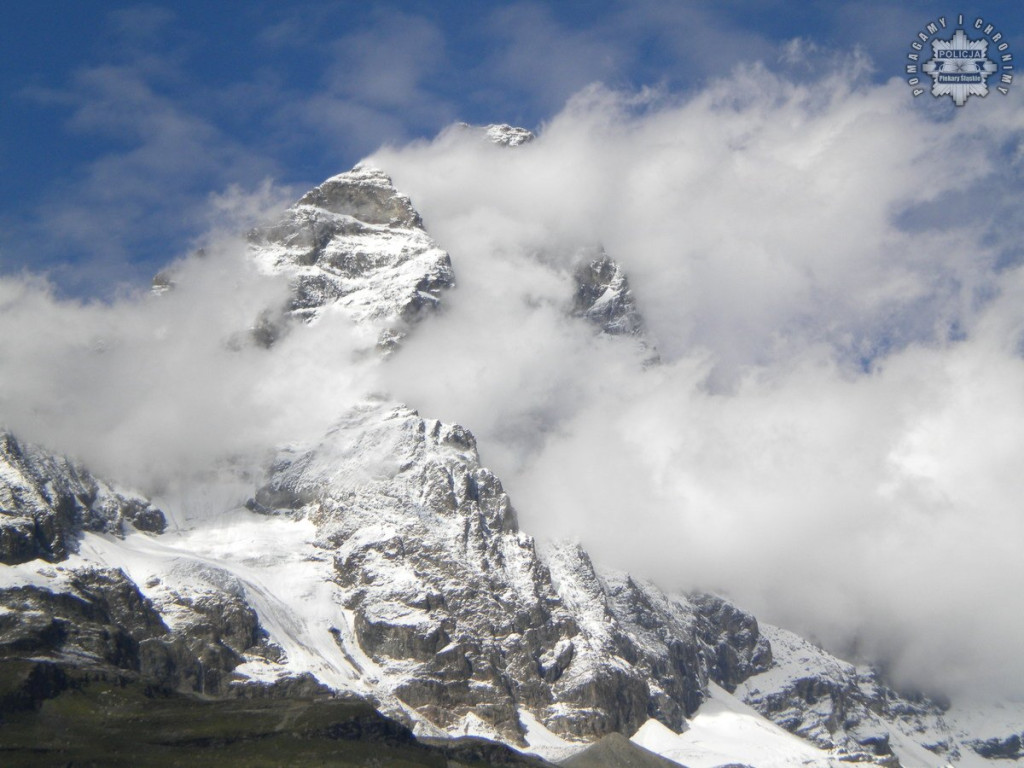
pixel 119 121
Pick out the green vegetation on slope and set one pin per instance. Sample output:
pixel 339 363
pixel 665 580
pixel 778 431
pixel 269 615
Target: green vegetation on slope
pixel 109 725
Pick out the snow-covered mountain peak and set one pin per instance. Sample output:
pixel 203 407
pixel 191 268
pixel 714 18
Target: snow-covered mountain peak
pixel 356 244
pixel 383 559
pixel 603 296
pixel 365 193
pixel 502 134
pixel 509 135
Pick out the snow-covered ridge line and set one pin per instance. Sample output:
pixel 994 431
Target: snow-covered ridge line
pixel 384 559
pixel 355 245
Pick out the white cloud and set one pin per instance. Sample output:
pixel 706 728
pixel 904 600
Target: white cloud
pixel 833 436
pixel 168 392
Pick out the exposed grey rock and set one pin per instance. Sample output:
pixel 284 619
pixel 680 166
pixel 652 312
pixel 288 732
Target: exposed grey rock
pixel 837 705
pixel 295 686
pixel 453 602
pixel 365 194
pixel 47 501
pixel 162 283
pixel 427 549
pixel 356 244
pixel 740 649
pixel 95 626
pixel 602 296
pixel 1008 748
pixel 672 645
pixel 95 623
pixel 215 625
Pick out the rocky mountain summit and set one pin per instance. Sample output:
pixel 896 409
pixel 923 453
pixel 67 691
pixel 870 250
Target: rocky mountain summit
pixel 384 562
pixel 603 296
pixel 354 244
pixel 507 135
pixel 465 622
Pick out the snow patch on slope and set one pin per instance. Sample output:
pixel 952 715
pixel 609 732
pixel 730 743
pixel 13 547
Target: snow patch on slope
pixel 276 567
pixel 726 731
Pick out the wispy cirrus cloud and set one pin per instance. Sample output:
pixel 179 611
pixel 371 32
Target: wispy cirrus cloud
pixel 159 111
pixel 145 189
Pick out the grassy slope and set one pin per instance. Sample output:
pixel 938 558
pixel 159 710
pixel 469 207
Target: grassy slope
pixel 103 724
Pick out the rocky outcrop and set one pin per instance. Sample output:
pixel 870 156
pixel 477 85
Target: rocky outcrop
pixel 450 599
pixel 851 710
pixel 214 626
pixel 354 244
pixel 95 627
pixel 367 195
pixel 1006 748
pixel 95 624
pixel 603 296
pixel 673 646
pixel 99 619
pixel 740 650
pixel 47 501
pixel 463 615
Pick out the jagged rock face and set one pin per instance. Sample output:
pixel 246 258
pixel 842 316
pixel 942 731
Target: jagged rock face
pixel 813 695
pixel 356 244
pixel 1008 747
pixel 94 623
pixel 604 298
pixel 670 646
pixel 97 623
pixel 46 502
pixel 213 624
pixel 739 648
pixel 100 620
pixel 837 705
pixel 463 616
pixel 450 599
pixel 365 194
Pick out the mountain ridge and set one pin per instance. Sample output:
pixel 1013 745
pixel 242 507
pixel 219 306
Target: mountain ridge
pixel 385 560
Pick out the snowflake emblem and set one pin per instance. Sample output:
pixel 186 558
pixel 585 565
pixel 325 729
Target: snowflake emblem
pixel 959 67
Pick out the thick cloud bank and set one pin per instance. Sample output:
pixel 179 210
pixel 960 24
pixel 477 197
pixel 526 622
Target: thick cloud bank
pixel 831 275
pixel 168 394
